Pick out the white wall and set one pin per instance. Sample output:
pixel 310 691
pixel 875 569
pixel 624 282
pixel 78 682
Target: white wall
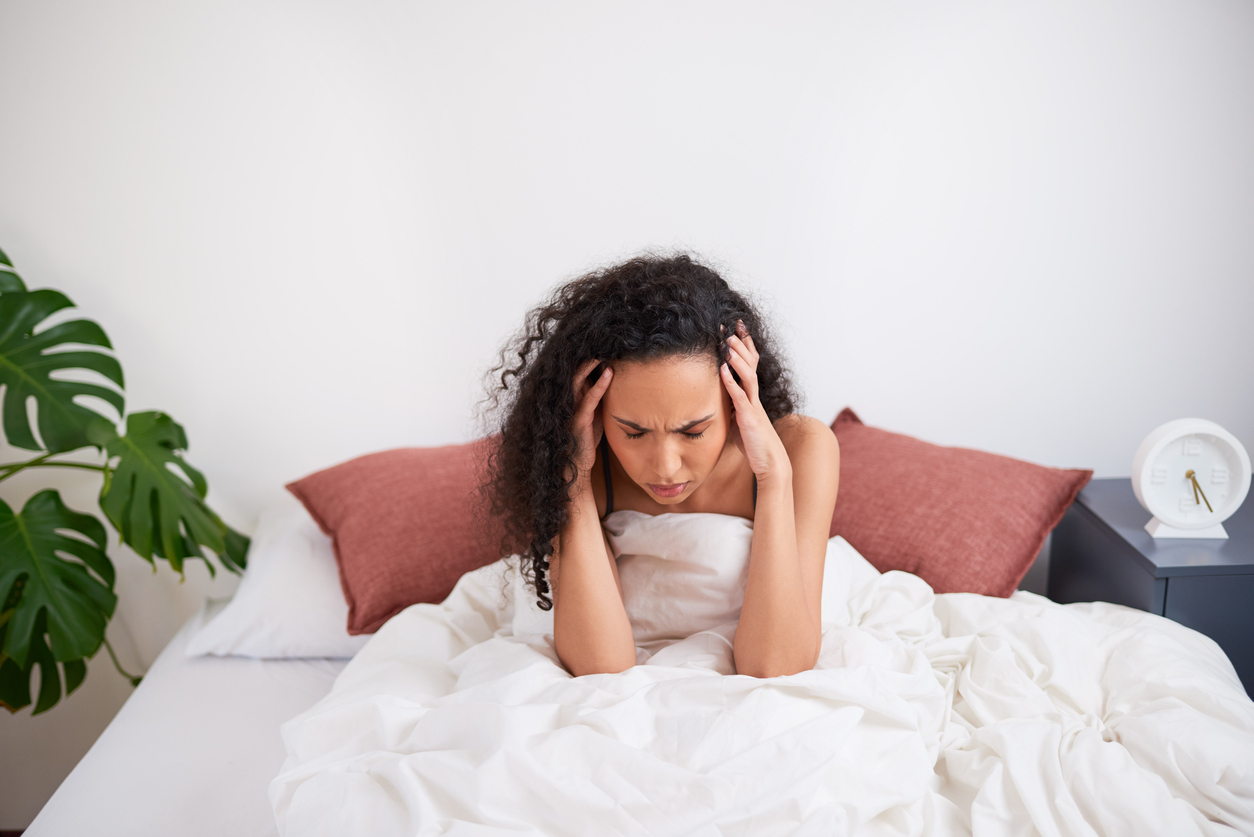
pixel 308 225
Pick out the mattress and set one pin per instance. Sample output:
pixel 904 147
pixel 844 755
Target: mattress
pixel 192 751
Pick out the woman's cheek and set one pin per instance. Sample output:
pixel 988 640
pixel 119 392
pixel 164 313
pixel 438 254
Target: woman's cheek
pixel 713 449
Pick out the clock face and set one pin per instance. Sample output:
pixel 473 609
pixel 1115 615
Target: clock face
pixel 1193 475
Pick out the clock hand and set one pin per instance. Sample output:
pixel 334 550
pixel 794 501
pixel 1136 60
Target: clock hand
pixel 1203 493
pixel 1197 489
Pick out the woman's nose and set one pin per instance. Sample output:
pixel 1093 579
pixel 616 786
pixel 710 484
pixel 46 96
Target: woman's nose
pixel 668 461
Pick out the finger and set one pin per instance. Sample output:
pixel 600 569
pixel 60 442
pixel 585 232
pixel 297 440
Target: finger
pixel 737 346
pixel 737 394
pixel 740 350
pixel 750 355
pixel 748 375
pixel 745 338
pixel 602 383
pixel 592 398
pixel 742 331
pixel 580 383
pixel 740 364
pixel 584 370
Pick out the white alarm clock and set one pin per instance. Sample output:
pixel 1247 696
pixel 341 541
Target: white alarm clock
pixel 1191 474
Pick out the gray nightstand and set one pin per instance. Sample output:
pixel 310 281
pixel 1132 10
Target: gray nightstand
pixel 1101 552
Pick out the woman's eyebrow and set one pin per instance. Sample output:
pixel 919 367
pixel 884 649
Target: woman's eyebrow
pixel 683 429
pixel 693 423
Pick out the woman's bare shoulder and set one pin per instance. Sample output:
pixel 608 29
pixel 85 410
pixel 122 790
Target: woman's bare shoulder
pixel 811 446
pixel 805 434
pixel 815 457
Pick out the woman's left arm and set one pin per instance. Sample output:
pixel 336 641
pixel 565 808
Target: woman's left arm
pixel 797 466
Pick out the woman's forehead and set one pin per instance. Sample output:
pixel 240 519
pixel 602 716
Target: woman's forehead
pixel 664 388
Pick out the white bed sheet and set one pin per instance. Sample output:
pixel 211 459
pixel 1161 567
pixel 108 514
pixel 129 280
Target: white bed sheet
pixel 192 751
pixel 926 714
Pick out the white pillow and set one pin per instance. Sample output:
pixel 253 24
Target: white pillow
pixel 289 602
pixel 845 574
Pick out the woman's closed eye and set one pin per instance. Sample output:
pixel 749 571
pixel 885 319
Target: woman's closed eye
pixel 688 429
pixel 685 432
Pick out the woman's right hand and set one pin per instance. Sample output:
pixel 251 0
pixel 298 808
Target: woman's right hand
pixel 587 425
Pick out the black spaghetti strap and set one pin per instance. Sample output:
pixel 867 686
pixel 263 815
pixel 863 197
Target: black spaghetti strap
pixel 755 491
pixel 609 483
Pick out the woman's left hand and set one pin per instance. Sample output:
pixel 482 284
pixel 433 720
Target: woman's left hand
pixel 753 434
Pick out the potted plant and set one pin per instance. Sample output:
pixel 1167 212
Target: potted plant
pixel 56 580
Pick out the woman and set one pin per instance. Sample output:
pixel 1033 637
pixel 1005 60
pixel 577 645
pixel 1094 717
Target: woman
pixel 652 387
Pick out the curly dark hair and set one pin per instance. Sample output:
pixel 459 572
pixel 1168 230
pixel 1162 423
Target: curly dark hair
pixel 645 308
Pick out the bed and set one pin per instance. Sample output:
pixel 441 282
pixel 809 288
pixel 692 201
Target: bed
pixel 195 749
pixel 929 713
pixel 192 750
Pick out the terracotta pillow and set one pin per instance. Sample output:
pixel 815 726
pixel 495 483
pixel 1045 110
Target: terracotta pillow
pixel 963 520
pixel 405 525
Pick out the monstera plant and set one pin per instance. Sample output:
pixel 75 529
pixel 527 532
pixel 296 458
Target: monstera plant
pixel 56 581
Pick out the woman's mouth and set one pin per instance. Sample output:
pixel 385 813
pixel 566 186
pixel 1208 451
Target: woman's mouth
pixel 673 490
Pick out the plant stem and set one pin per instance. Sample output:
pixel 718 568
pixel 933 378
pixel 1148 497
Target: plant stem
pixel 9 470
pixel 131 677
pixel 17 466
pixel 86 465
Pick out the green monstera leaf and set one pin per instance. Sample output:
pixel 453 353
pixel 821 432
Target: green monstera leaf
pixel 15 680
pixel 29 360
pixel 157 500
pixel 9 280
pixel 55 609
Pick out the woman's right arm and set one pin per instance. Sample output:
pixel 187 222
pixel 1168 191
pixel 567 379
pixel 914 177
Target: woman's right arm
pixel 591 631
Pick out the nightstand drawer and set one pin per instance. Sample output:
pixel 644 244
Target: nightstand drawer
pixel 1222 607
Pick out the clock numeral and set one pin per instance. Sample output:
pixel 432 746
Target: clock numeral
pixel 1192 447
pixel 1219 476
pixel 1158 476
pixel 1188 504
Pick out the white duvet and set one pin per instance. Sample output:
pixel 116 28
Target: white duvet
pixel 926 714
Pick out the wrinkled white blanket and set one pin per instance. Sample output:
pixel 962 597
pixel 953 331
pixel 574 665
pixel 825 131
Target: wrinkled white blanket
pixel 926 714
